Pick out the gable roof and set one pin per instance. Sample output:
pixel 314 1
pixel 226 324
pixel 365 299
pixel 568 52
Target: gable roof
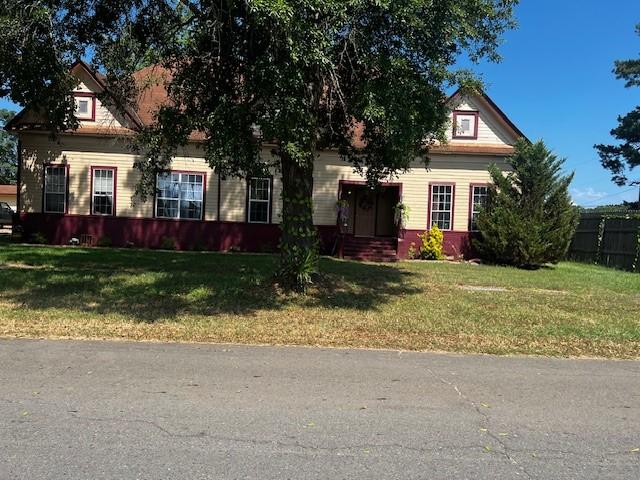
pixel 504 119
pixel 8 190
pixel 97 77
pixel 154 94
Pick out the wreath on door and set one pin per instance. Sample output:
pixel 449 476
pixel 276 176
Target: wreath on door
pixel 366 202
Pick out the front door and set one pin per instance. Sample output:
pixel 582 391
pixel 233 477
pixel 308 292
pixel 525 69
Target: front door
pixel 365 213
pixel 385 204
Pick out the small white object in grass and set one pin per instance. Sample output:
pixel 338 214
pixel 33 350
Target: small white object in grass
pixel 473 288
pixel 74 241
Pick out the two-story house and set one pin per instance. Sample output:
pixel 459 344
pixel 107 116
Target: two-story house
pixel 81 185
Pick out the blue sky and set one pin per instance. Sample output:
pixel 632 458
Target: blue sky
pixel 555 83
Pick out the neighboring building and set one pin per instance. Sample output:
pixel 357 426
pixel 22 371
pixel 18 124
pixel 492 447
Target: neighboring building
pixel 9 194
pixel 83 183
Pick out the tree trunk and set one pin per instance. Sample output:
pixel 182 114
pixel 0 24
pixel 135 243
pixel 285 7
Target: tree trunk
pixel 299 241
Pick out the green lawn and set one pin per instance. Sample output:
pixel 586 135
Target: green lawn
pixel 571 309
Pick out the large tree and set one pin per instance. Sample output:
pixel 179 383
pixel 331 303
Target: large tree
pixel 367 77
pixel 622 158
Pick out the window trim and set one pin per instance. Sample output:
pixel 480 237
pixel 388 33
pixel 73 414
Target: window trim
pixel 204 196
pixel 66 188
pixel 430 204
pixel 92 116
pixel 472 186
pixel 115 191
pixel 248 202
pixel 473 113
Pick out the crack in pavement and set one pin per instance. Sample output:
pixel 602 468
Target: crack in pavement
pixel 278 442
pixel 486 423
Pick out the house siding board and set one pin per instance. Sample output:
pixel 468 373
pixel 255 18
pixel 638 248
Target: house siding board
pixel 105 117
pixel 81 153
pixel 233 199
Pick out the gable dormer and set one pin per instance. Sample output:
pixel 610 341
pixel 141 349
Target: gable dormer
pixel 94 115
pixel 476 120
pixel 91 111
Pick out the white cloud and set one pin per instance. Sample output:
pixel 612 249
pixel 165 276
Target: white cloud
pixel 589 194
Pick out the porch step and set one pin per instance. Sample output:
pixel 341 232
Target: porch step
pixel 371 258
pixel 370 249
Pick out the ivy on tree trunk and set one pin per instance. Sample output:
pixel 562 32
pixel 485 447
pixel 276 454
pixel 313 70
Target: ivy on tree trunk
pixel 299 241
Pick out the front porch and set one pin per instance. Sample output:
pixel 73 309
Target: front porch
pixel 366 222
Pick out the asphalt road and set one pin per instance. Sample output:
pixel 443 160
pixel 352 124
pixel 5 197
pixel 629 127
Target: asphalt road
pixel 92 410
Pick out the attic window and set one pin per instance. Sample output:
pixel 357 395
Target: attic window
pixel 85 106
pixel 465 125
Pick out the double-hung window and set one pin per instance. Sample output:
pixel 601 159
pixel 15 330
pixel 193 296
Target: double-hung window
pixel 259 203
pixel 441 206
pixel 55 189
pixel 479 195
pixel 103 193
pixel 180 195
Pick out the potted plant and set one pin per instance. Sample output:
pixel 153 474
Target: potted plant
pixel 342 209
pixel 401 217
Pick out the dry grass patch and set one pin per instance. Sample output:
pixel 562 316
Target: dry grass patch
pixel 569 310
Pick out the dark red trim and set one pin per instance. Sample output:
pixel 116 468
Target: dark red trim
pixel 115 190
pixel 66 192
pixel 215 236
pixel 473 113
pixel 455 242
pixel 149 232
pixel 92 96
pixel 471 187
pixel 504 117
pixel 453 202
pixel 204 196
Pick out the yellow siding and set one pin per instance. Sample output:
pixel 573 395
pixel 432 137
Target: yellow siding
pixel 490 131
pixel 458 169
pixel 233 198
pixel 105 117
pixel 81 153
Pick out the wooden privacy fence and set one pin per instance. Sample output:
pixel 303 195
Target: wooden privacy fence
pixel 608 239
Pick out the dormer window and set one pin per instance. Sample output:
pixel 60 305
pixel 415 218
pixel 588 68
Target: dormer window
pixel 465 125
pixel 85 106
